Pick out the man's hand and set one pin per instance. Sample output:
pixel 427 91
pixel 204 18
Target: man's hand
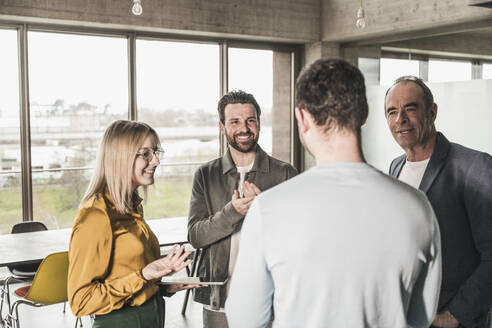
pixel 241 204
pixel 250 189
pixel 445 320
pixel 173 262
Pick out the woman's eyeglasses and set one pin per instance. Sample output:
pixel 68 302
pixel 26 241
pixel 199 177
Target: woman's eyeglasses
pixel 148 154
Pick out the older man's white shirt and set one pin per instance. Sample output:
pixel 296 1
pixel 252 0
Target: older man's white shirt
pixel 341 245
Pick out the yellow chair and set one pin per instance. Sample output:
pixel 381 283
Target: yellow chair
pixel 20 272
pixel 49 286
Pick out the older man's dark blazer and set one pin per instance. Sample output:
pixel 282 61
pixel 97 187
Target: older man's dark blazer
pixel 458 183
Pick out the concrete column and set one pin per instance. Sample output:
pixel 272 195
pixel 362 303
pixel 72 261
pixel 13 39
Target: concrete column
pixel 477 70
pixel 352 54
pixel 424 70
pixel 371 68
pixel 281 111
pixel 317 50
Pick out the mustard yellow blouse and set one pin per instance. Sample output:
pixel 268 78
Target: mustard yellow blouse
pixel 107 251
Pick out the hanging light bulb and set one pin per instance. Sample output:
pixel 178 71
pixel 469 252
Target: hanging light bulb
pixel 137 7
pixel 361 17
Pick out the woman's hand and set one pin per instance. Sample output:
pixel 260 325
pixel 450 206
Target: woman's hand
pixel 173 262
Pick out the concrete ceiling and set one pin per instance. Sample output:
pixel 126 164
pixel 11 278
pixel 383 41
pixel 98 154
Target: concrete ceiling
pixel 484 32
pixel 480 3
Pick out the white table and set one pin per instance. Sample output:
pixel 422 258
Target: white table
pixel 29 247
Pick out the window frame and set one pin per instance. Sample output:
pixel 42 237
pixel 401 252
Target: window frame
pixel 131 36
pixel 477 61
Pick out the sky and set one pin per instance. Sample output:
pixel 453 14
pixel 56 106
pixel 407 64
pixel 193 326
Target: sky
pixel 439 70
pixel 177 75
pixel 9 80
pixel 94 69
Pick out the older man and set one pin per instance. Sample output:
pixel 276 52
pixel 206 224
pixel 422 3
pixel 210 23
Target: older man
pixel 223 191
pixel 341 245
pixel 458 183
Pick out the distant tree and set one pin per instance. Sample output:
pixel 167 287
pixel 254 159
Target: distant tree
pixel 13 181
pixel 84 106
pixel 177 117
pixel 59 106
pixel 74 180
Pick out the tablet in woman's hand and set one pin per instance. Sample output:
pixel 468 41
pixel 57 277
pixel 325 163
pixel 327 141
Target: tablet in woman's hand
pixel 190 281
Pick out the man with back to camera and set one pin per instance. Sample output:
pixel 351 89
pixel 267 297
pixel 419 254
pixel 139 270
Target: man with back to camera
pixel 458 184
pixel 223 190
pixel 341 245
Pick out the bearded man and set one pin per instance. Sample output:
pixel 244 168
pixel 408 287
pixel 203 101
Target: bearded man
pixel 223 190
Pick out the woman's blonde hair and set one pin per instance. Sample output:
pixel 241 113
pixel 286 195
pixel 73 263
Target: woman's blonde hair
pixel 114 164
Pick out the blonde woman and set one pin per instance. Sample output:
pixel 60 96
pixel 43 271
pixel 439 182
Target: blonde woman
pixel 113 255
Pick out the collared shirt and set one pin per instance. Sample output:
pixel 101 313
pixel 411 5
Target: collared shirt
pixel 107 251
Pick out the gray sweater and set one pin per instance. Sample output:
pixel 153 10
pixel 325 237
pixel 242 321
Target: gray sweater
pixel 341 245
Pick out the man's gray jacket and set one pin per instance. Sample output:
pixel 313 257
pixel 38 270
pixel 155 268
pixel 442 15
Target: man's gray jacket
pixel 212 218
pixel 458 184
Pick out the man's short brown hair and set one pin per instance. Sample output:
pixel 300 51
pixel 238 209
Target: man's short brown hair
pixel 333 91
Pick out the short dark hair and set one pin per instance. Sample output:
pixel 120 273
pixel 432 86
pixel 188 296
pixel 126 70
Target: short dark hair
pixel 333 91
pixel 428 97
pixel 237 97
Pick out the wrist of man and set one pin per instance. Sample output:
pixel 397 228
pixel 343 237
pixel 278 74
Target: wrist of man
pixel 445 319
pixel 464 313
pixel 232 214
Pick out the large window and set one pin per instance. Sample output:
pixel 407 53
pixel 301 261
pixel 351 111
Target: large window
pixel 252 71
pixel 78 84
pixel 448 71
pixel 463 106
pixel 266 75
pixel 178 93
pixel 391 69
pixel 487 71
pixel 10 150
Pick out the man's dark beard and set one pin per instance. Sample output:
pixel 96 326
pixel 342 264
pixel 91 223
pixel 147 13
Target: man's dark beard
pixel 232 142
